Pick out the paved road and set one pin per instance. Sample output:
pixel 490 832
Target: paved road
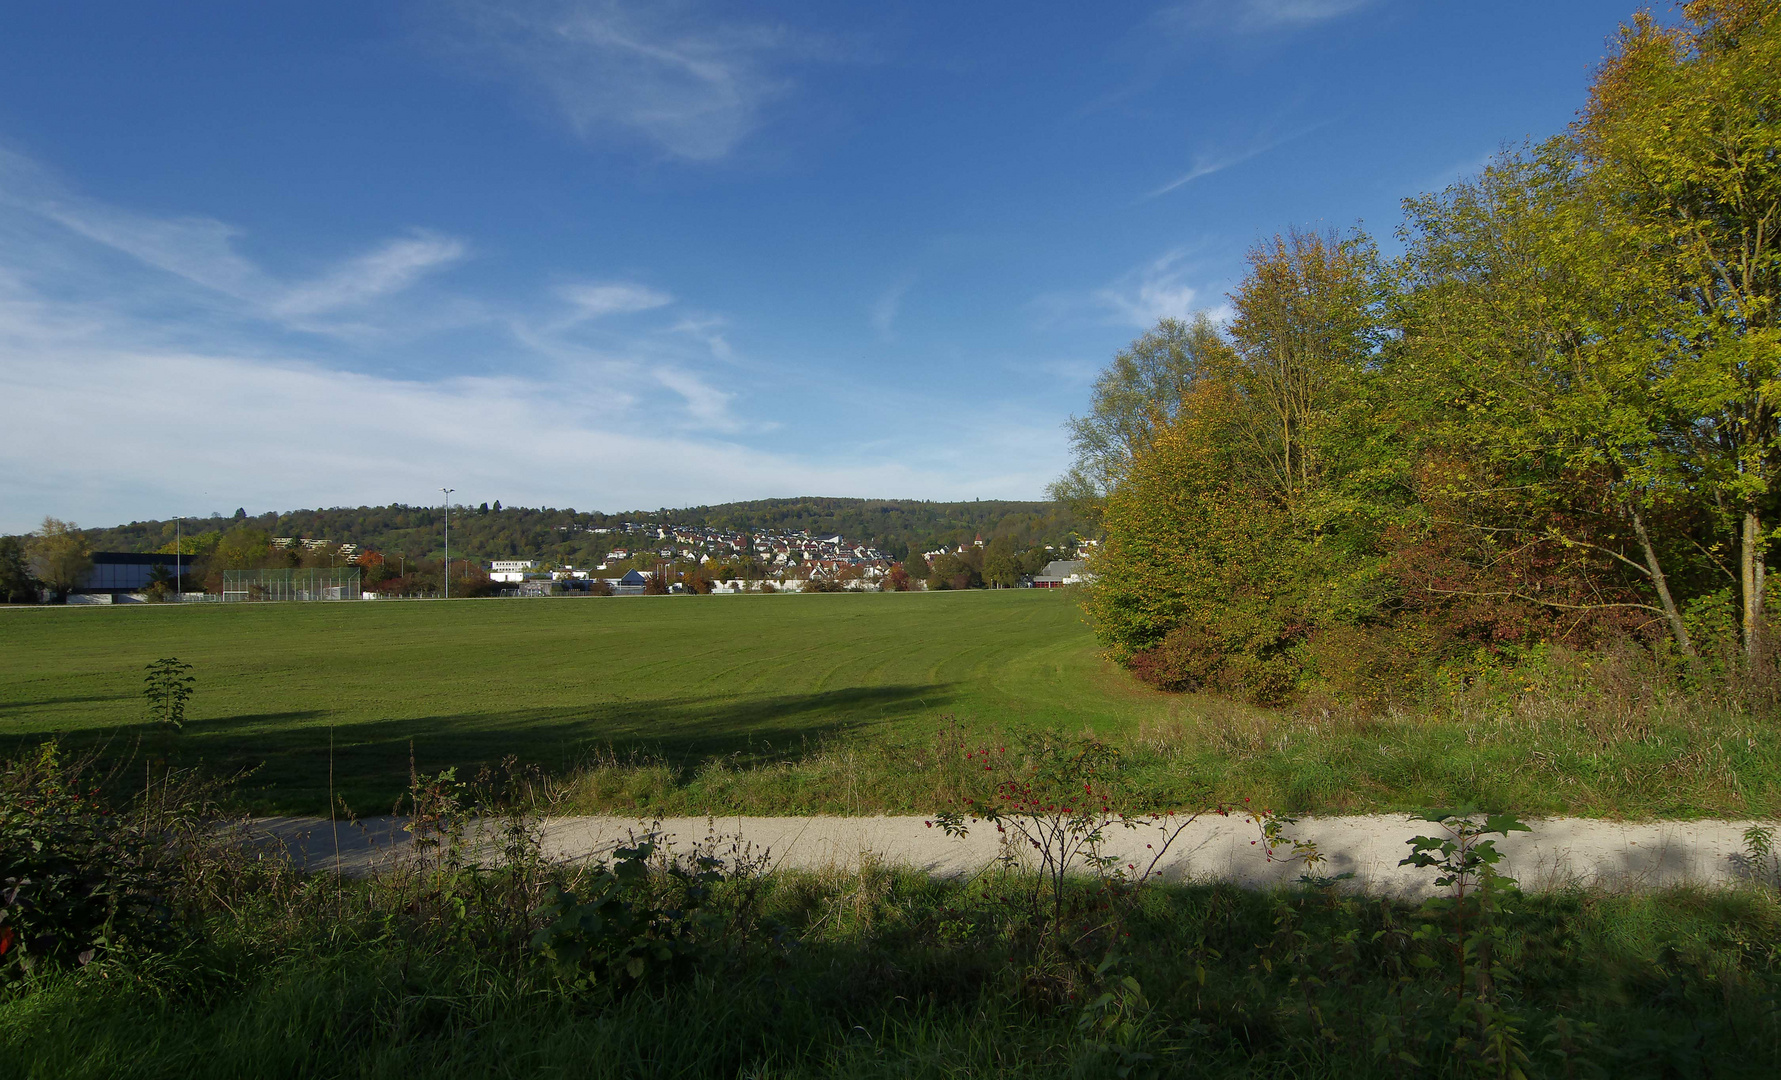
pixel 1558 852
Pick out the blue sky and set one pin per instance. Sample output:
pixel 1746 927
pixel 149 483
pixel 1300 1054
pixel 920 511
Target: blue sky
pixel 617 256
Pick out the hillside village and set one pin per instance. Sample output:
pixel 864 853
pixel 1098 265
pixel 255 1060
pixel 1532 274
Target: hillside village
pixel 704 545
pixel 640 550
pixel 640 558
pixel 736 561
pixel 808 544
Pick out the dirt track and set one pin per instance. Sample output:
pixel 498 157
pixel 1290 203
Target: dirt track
pixel 1558 852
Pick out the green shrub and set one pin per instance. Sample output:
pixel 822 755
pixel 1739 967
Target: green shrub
pixel 76 880
pixel 625 928
pixel 1188 658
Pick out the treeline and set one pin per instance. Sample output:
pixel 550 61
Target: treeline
pixel 999 564
pixel 398 530
pixel 1551 420
pixel 491 531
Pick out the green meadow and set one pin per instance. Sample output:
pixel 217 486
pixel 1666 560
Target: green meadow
pixel 680 679
pixel 855 703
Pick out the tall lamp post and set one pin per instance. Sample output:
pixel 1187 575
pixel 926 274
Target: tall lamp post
pixel 448 492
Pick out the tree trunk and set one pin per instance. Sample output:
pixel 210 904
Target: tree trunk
pixel 1751 559
pixel 1671 612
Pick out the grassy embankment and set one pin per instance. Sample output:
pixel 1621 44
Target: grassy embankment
pixel 708 963
pixel 894 975
pixel 835 704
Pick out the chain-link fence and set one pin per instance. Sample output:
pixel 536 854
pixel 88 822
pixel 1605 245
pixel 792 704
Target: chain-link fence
pixel 314 583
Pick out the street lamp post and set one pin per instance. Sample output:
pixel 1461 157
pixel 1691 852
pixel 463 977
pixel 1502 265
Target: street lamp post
pixel 448 492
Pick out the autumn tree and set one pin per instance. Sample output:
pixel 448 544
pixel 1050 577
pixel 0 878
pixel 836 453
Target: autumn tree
pixel 1537 420
pixel 1140 391
pixel 59 556
pixel 16 584
pixel 1550 420
pixel 241 548
pixel 1306 323
pixel 1001 564
pixel 1679 139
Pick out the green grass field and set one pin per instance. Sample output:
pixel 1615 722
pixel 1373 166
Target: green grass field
pixel 830 704
pixel 678 678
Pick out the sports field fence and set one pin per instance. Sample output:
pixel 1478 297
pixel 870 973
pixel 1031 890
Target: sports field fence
pixel 310 583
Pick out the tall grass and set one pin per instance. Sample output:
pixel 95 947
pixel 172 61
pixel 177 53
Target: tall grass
pixel 885 974
pixel 435 968
pixel 1610 734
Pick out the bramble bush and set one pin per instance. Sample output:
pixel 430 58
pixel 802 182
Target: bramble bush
pixel 614 931
pixel 77 881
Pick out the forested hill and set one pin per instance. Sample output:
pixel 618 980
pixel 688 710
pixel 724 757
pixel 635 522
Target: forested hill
pixel 493 532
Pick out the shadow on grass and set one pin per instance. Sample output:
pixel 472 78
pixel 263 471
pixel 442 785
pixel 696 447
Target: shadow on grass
pixel 291 757
pixel 82 699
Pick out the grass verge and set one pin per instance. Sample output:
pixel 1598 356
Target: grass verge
pixel 1546 762
pixel 142 942
pixel 879 973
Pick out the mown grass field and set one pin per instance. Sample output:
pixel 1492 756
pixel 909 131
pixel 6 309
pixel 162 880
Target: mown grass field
pixel 832 704
pixel 747 678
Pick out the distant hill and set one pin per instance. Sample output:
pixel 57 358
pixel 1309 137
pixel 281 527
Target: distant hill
pixel 891 525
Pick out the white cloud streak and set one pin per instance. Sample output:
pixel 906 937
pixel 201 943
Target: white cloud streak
pixel 202 251
pixel 596 300
pixel 1206 165
pixel 690 80
pixel 888 306
pixel 1258 16
pixel 1155 291
pixel 390 268
pixel 1261 14
pixel 1158 289
pixel 1216 161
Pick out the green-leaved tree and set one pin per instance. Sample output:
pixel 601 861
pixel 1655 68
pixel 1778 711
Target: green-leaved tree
pixel 59 556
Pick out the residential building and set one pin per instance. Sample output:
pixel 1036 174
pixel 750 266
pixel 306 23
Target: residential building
pixel 1061 572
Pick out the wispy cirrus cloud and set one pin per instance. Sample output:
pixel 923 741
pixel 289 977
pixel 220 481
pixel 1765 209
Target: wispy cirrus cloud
pixel 889 305
pixel 594 300
pixel 1161 288
pixel 114 323
pixel 285 432
pixel 387 269
pixel 1157 290
pixel 203 251
pixel 1256 16
pixel 1260 14
pixel 1210 162
pixel 692 80
pixel 708 330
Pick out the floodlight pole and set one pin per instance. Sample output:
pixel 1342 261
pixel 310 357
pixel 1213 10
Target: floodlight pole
pixel 447 578
pixel 179 585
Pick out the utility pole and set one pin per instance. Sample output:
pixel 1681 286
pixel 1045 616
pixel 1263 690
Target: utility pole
pixel 448 492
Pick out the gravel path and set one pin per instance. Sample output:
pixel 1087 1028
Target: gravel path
pixel 1558 852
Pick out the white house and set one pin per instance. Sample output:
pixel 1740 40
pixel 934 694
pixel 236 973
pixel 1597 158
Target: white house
pixel 1061 572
